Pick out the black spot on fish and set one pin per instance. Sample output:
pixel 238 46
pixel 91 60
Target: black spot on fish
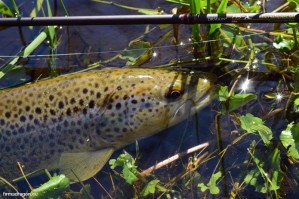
pixel 78 131
pixel 109 107
pixel 147 105
pixel 30 117
pixel 26 140
pixel 36 121
pixel 118 106
pixel 106 89
pixel 38 110
pixel 125 97
pixel 125 130
pixel 69 112
pixel 73 101
pixel 85 111
pixel 91 104
pixel 19 102
pixel 119 88
pixel 116 130
pixel 7 114
pixel 75 109
pixel 52 112
pixel 96 85
pixel 81 102
pixel 52 144
pixel 81 141
pixel 66 123
pixel 98 95
pixel 27 108
pixel 58 128
pixel 71 147
pixel 28 128
pixel 134 101
pixel 51 136
pixel 8 134
pixel 25 160
pixel 22 118
pixel 52 152
pixel 15 133
pixel 51 97
pixel 40 137
pixel 85 90
pixel 60 105
pixel 54 120
pixel 2 122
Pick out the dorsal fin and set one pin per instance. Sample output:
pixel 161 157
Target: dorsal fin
pixel 83 164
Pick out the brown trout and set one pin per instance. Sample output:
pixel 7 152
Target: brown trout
pixel 75 122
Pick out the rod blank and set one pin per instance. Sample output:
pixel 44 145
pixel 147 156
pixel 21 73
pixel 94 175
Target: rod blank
pixel 284 17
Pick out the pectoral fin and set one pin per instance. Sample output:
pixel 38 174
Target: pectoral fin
pixel 83 164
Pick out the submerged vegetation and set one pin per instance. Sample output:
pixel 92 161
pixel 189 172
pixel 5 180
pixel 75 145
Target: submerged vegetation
pixel 256 113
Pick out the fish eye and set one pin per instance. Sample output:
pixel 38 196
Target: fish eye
pixel 174 94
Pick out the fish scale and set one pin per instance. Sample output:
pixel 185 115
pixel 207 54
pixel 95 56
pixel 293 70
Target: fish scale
pixel 75 122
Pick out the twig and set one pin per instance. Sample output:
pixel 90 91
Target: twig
pixel 20 167
pixel 173 158
pixel 102 187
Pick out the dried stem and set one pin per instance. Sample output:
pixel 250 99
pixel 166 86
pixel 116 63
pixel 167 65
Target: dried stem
pixel 173 158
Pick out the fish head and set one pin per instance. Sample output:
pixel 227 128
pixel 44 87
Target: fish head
pixel 154 100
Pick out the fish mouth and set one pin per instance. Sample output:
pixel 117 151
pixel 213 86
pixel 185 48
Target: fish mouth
pixel 195 106
pixel 205 99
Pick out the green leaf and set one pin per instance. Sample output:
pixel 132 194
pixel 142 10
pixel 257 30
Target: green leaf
pixel 283 44
pixel 212 185
pixel 271 174
pixel 288 138
pixel 221 10
pixel 129 170
pixel 137 53
pixel 295 132
pixel 235 101
pixel 150 188
pixel 37 8
pixel 277 174
pixel 293 5
pixel 223 93
pixel 296 102
pixel 5 10
pixel 128 175
pixel 239 100
pixel 202 187
pixel 253 124
pixel 51 189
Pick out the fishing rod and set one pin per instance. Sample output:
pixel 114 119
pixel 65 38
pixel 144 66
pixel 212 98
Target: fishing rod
pixel 282 17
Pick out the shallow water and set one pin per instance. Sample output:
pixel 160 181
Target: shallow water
pixel 80 46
